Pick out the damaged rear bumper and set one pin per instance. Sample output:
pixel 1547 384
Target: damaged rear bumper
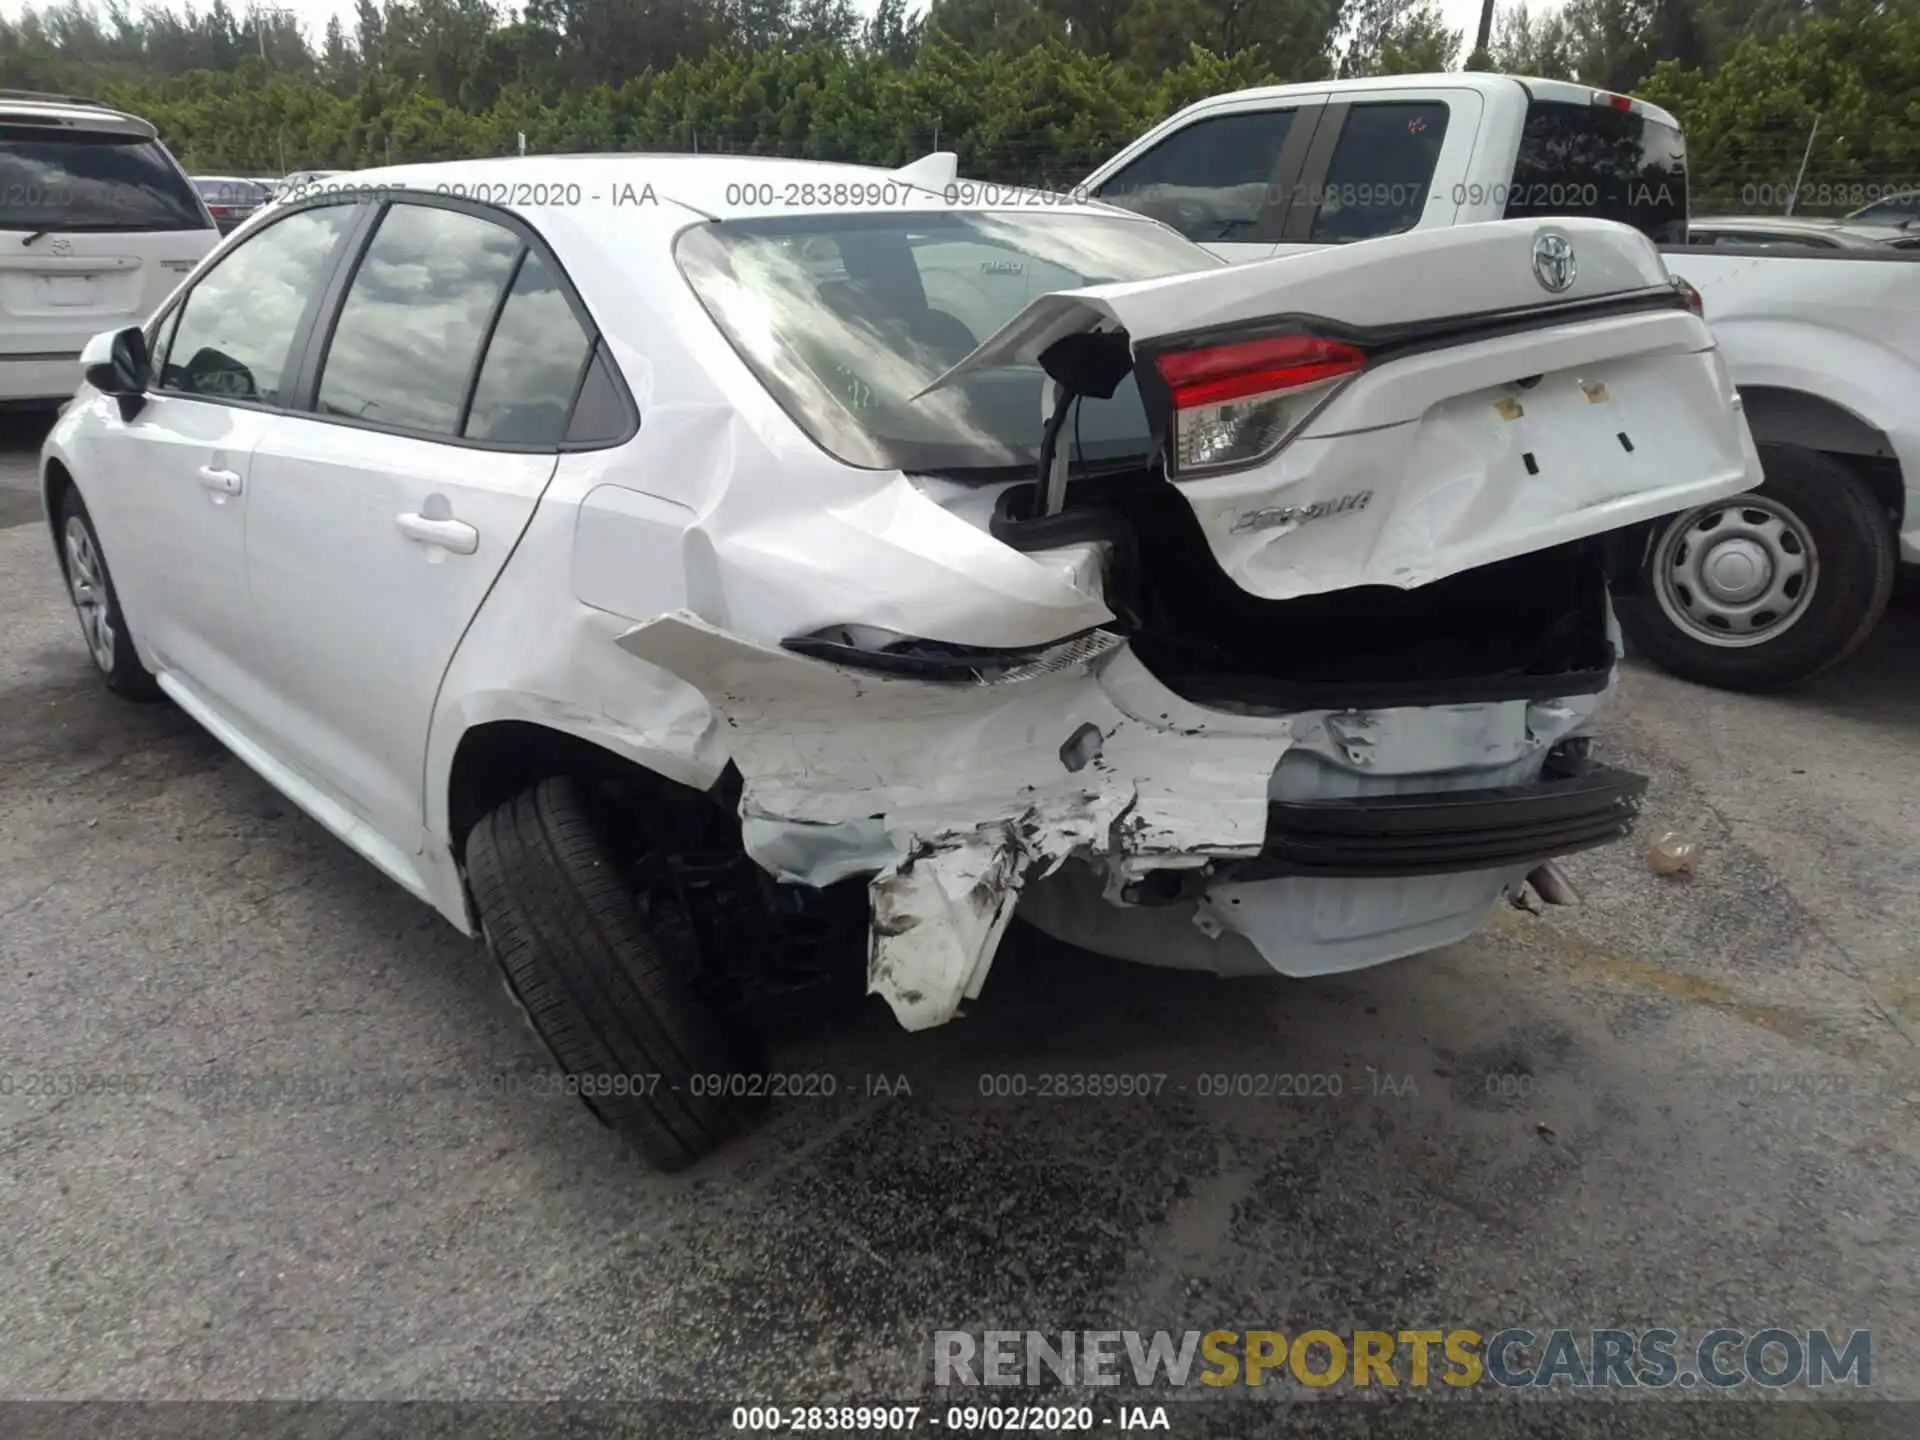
pixel 1124 819
pixel 1436 834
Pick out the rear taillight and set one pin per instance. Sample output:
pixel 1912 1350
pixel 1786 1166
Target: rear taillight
pixel 1692 296
pixel 1239 402
pixel 1612 101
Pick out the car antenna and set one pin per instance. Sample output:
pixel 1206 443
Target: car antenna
pixel 936 172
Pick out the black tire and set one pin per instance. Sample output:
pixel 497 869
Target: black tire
pixel 605 992
pixel 120 667
pixel 1855 561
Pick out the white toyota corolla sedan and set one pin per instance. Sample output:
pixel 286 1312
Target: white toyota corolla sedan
pixel 687 572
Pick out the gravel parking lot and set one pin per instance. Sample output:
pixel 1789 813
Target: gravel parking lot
pixel 1686 1103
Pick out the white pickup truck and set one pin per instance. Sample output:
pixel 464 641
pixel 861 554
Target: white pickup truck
pixel 1755 592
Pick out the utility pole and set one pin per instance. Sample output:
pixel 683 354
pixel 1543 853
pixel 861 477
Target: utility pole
pixel 1485 36
pixel 1805 156
pixel 259 15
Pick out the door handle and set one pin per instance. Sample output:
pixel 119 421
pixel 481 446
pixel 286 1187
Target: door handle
pixel 227 482
pixel 455 535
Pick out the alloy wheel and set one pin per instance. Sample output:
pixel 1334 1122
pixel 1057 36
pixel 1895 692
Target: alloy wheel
pixel 87 579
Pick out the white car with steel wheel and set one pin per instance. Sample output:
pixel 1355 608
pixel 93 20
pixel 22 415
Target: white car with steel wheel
pixel 725 579
pixel 1823 344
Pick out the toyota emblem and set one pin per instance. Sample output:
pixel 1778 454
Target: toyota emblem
pixel 1553 263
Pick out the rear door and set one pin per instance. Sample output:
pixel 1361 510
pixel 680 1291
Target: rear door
pixel 438 407
pixel 1221 177
pixel 1383 164
pixel 96 228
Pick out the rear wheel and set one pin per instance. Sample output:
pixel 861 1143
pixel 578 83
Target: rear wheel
pixel 606 989
pixel 103 625
pixel 1762 590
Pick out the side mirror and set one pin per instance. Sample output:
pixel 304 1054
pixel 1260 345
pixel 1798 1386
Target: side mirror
pixel 116 363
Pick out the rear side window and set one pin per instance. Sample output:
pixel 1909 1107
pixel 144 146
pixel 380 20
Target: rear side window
pixel 1209 181
pixel 1604 163
pixel 533 364
pixel 63 180
pixel 415 317
pixel 1382 170
pixel 600 415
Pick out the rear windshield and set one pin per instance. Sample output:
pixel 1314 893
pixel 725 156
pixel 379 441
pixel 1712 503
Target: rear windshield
pixel 845 318
pixel 66 181
pixel 1604 163
pixel 1892 210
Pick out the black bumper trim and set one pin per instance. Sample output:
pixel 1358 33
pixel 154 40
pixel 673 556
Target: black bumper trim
pixel 1444 832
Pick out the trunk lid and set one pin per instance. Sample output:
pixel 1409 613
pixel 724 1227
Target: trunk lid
pixel 1441 399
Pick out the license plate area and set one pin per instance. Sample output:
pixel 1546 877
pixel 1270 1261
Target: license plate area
pixel 65 290
pixel 1577 440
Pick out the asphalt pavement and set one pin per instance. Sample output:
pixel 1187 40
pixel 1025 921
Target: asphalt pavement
pixel 1686 1103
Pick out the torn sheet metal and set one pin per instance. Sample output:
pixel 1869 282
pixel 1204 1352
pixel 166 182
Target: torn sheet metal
pixel 822 745
pixel 937 921
pixel 975 788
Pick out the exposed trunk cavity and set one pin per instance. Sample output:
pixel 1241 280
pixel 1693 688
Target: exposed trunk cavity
pixel 1531 627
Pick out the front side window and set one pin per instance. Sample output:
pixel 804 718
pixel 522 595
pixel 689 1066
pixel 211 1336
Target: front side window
pixel 91 180
pixel 415 317
pixel 1382 171
pixel 1210 181
pixel 847 318
pixel 236 326
pixel 1601 162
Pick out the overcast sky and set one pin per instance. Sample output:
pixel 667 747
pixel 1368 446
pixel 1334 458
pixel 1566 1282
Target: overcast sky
pixel 1462 15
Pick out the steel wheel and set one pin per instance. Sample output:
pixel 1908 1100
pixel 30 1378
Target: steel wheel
pixel 87 579
pixel 1736 573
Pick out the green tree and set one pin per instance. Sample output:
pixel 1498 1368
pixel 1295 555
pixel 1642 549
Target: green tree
pixel 1397 37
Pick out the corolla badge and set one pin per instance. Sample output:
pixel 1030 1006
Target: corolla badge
pixel 1554 265
pixel 1279 515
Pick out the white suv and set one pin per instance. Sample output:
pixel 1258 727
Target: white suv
pixel 97 226
pixel 693 573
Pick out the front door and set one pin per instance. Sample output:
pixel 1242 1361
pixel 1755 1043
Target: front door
pixel 176 476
